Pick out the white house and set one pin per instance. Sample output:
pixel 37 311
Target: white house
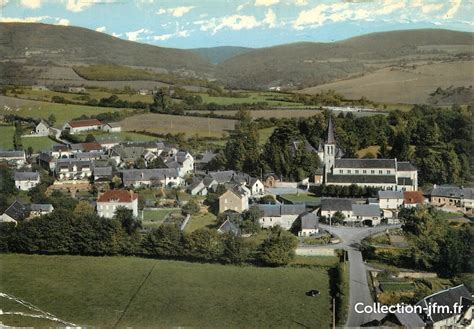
pixel 112 127
pixel 151 177
pixel 25 180
pixel 73 169
pixel 79 126
pixel 37 209
pixel 42 129
pixel 14 213
pixel 283 215
pixel 329 206
pixel 390 202
pixel 109 201
pixel 256 186
pixel 197 188
pixel 13 158
pixel 365 214
pixel 309 224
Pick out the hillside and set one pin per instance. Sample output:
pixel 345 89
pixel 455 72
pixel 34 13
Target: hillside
pixel 216 55
pixel 65 45
pixel 308 64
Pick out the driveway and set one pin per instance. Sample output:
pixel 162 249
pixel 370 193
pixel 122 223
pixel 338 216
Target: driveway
pixel 359 292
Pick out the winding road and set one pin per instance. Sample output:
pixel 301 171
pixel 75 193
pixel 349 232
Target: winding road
pixel 359 292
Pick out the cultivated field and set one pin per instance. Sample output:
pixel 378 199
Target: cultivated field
pixel 37 109
pixel 129 291
pixel 396 85
pixel 166 123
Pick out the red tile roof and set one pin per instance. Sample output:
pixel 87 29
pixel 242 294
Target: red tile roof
pixel 85 123
pixel 413 197
pixel 117 196
pixel 92 146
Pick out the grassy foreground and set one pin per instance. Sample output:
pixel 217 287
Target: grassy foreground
pixel 131 291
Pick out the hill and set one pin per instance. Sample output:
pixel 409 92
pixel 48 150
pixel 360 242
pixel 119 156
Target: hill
pixel 66 45
pixel 306 64
pixel 216 55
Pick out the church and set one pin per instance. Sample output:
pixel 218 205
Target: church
pixel 385 174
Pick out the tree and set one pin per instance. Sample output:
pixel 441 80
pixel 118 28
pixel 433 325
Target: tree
pixel 90 138
pixel 278 249
pixel 83 208
pixel 165 241
pixel 125 216
pixel 401 147
pixel 51 119
pixel 161 100
pixel 204 244
pixel 235 251
pixel 338 218
pixel 192 207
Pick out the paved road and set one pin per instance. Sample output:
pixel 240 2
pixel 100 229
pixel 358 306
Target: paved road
pixel 358 286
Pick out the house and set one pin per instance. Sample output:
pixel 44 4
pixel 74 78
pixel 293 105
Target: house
pixel 46 161
pixel 61 151
pixel 78 90
pixel 79 126
pixel 39 88
pixel 16 212
pixel 73 169
pixel 309 224
pixel 329 206
pixel 457 198
pixel 229 176
pixel 283 215
pixel 385 174
pixel 255 186
pixel 126 155
pixel 197 188
pixel 112 127
pixel 203 159
pixel 210 184
pixel 14 158
pixel 107 142
pixel 25 180
pixel 42 128
pixel 235 199
pixel 390 202
pixel 365 214
pixel 86 147
pixel 151 177
pixel 109 201
pixel 453 317
pixel 102 174
pixel 270 180
pixel 37 209
pixel 229 227
pixel 412 199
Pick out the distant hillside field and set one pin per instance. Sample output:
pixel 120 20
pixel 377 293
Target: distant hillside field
pixel 403 85
pixel 308 64
pixel 216 55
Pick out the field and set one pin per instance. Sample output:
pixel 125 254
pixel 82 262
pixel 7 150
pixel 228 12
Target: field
pixel 128 291
pixel 190 126
pixel 6 137
pixel 43 110
pixel 271 98
pixel 37 143
pixel 123 136
pixel 307 198
pixel 154 218
pixel 201 220
pixel 409 85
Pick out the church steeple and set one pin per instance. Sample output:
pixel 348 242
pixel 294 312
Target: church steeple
pixel 330 139
pixel 329 150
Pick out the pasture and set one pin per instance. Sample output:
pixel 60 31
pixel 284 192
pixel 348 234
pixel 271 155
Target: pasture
pixel 173 124
pixel 132 291
pixel 37 143
pixel 271 98
pixel 6 137
pixel 207 220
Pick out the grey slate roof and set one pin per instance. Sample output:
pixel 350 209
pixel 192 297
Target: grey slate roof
pixel 366 163
pixel 229 176
pixel 405 166
pixel 229 227
pixel 330 138
pixel 41 207
pixel 453 192
pixel 336 204
pixel 17 211
pixel 148 174
pixel 26 175
pixel 390 195
pixel 206 157
pixel 447 297
pixel 103 171
pixel 309 221
pixel 362 179
pixel 277 210
pixel 12 154
pixel 366 210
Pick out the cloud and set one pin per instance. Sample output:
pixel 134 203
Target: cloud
pixel 163 37
pixel 301 2
pixel 270 18
pixel 117 35
pixel 242 6
pixel 233 22
pixel 62 21
pixel 33 19
pixel 266 2
pixel 31 4
pixel 176 11
pixel 80 5
pixel 455 5
pixel 135 35
pixel 101 29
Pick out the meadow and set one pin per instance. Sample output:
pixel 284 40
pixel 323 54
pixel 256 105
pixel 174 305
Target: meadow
pixel 132 291
pixel 6 137
pixel 37 143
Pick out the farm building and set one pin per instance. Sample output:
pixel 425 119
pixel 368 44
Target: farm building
pixel 79 126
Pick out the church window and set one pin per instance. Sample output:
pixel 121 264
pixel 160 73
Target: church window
pixel 372 171
pixel 357 171
pixel 380 172
pixel 348 171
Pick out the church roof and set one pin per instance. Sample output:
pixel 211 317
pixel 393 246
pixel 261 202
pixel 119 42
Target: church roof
pixel 366 163
pixel 330 139
pixel 362 179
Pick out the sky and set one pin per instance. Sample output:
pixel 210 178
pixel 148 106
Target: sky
pixel 247 23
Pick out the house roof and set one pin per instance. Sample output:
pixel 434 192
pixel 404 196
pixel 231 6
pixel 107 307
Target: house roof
pixel 103 171
pixel 121 196
pixel 446 297
pixel 70 163
pixel 12 154
pixel 113 124
pixel 206 157
pixel 229 176
pixel 390 194
pixel 128 151
pixel 195 184
pixel 41 207
pixel 453 191
pixel 84 123
pixel 405 166
pixel 362 179
pixel 336 204
pixel 366 163
pixel 148 174
pixel 60 147
pixel 366 210
pixel 17 211
pixel 26 175
pixel 309 221
pixel 277 210
pixel 46 157
pixel 413 197
pixel 229 227
pixel 91 146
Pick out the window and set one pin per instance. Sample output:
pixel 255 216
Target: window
pixel 372 171
pixel 380 172
pixel 388 172
pixel 348 171
pixel 357 171
pixel 364 171
pixel 341 171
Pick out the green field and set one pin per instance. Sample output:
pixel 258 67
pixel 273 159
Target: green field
pixel 131 291
pixel 6 137
pixel 308 198
pixel 37 143
pixel 201 220
pixel 154 218
pixel 123 136
pixel 62 112
pixel 264 134
pixel 253 97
